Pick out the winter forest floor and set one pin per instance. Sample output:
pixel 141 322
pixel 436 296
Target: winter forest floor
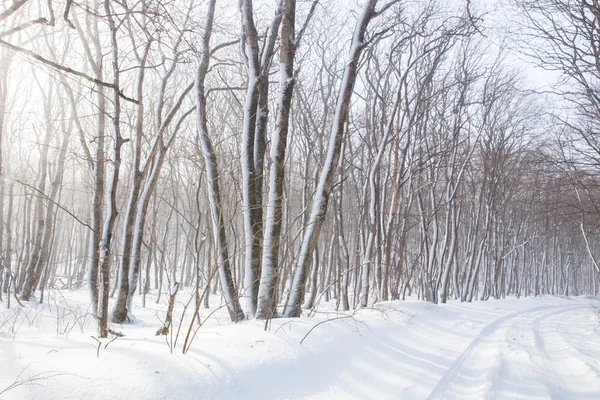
pixel 529 348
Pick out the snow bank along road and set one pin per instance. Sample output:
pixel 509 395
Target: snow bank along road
pixel 533 348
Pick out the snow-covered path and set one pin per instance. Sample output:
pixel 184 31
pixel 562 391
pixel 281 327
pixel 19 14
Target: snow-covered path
pixel 526 354
pixel 533 348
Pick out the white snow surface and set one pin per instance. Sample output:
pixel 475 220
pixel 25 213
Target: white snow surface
pixel 528 348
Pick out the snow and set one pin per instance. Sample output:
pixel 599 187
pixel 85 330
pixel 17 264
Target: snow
pixel 528 348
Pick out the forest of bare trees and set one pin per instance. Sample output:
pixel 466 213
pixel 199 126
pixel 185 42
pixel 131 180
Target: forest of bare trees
pixel 286 153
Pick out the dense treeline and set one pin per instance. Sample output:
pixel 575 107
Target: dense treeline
pixel 287 153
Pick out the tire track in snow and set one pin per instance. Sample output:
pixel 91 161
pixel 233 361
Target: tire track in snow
pixel 458 365
pixel 594 357
pixel 566 372
pixel 551 379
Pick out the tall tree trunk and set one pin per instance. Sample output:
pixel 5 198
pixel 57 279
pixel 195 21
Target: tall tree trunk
pixel 252 232
pixel 99 172
pixel 111 198
pixel 212 176
pixel 256 112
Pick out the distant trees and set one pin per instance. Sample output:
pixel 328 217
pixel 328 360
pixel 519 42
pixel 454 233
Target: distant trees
pixel 302 152
pixel 563 38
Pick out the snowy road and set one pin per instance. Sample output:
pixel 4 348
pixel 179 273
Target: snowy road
pixel 533 348
pixel 527 354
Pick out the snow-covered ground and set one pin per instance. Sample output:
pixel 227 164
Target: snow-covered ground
pixel 532 348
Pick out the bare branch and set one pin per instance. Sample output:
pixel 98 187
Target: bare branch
pixel 68 70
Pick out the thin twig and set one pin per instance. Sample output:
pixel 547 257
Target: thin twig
pixel 99 344
pixel 322 322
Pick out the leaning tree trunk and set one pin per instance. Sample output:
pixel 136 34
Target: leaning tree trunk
pixel 323 190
